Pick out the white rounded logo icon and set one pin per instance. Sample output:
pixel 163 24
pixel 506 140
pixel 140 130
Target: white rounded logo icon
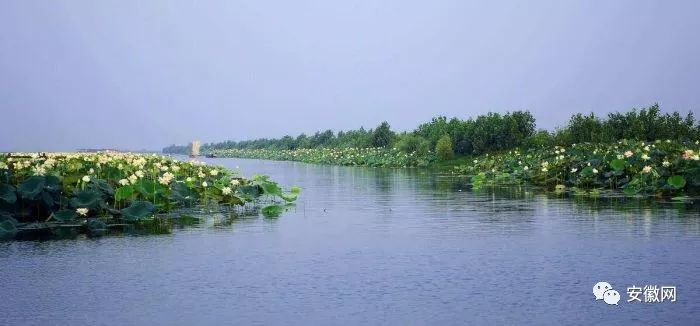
pixel 611 297
pixel 600 288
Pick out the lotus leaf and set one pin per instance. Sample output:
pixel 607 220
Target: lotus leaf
pixel 8 230
pixel 65 215
pixel 617 165
pixel 7 193
pixel 273 210
pixel 676 181
pixel 86 199
pixel 123 193
pixel 138 210
pixel 32 188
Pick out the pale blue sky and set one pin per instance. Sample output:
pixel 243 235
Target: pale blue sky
pixel 145 74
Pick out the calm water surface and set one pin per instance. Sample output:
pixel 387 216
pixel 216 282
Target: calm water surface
pixel 373 247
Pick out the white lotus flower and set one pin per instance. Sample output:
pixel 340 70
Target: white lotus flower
pixel 82 211
pixel 39 170
pixel 595 171
pixel 166 178
pixel 204 184
pixel 189 179
pixel 133 178
pixel 574 170
pixel 666 164
pixel 214 172
pixel 226 190
pixel 86 178
pixel 124 182
pixel 645 157
pixel 646 169
pixel 544 170
pixel 235 182
pixel 140 174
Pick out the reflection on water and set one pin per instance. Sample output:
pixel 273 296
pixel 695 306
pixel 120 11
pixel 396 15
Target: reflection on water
pixel 371 246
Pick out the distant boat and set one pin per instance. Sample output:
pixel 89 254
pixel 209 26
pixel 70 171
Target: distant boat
pixel 210 155
pixel 194 152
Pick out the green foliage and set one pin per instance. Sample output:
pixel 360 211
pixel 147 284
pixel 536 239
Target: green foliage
pixel 7 194
pixel 183 194
pixel 64 215
pixel 272 210
pixel 443 149
pixel 57 193
pixel 676 181
pixel 411 143
pixel 374 157
pixel 485 133
pixel 7 230
pixel 32 187
pixel 124 193
pixel 138 209
pixel 540 139
pixel 658 168
pixel 617 164
pixel 383 136
pixel 647 124
pixel 490 132
pixel 90 199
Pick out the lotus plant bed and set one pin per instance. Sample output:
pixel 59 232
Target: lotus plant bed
pixel 631 168
pixel 371 157
pixel 54 193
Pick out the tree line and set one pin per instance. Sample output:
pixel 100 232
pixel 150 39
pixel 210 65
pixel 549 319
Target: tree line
pixel 485 133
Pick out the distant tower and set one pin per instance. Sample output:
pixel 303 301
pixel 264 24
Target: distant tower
pixel 195 148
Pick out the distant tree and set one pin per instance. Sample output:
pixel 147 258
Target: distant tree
pixel 444 148
pixel 383 136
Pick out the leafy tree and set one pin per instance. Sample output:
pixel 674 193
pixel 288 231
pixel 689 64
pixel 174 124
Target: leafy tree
pixel 383 136
pixel 444 148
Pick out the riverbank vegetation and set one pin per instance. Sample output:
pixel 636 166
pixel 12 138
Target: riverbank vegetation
pixel 638 152
pixel 93 191
pixel 659 168
pixel 373 157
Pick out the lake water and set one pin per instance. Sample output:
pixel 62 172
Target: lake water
pixel 371 247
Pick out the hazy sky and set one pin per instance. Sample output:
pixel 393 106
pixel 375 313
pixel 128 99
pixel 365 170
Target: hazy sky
pixel 145 74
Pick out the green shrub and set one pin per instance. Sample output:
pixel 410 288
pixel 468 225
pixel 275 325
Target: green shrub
pixel 383 136
pixel 423 148
pixel 409 143
pixel 444 148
